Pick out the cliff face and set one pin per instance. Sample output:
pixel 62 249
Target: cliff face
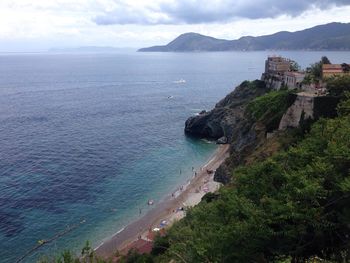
pixel 227 118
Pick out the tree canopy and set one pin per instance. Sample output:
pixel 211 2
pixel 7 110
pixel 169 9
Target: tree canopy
pixel 338 85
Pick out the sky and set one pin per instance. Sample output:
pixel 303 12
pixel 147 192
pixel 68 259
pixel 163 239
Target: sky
pixel 38 25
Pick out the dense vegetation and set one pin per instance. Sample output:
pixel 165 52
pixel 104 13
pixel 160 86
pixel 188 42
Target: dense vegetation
pixel 314 72
pixel 337 86
pixel 293 205
pixel 270 107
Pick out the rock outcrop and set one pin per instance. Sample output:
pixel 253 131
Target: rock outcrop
pixel 227 118
pixel 228 123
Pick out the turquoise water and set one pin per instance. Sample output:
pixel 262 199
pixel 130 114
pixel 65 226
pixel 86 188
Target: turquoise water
pixel 94 137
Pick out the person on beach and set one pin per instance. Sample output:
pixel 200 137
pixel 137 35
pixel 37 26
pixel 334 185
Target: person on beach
pixel 140 211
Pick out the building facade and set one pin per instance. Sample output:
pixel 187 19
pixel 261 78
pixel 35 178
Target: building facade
pixel 293 80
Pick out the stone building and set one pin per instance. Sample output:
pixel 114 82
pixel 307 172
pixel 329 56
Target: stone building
pixel 275 65
pixel 293 79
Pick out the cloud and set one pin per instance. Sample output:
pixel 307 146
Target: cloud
pixel 42 24
pixel 208 11
pixel 131 14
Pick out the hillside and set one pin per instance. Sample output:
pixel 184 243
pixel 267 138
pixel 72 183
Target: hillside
pixel 333 36
pixel 189 42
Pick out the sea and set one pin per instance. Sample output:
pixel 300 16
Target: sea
pixel 87 139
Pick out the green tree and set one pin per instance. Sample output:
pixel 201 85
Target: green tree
pixel 134 257
pixel 270 108
pixel 314 72
pixel 294 66
pixel 325 60
pixel 338 85
pixel 161 244
pixel 88 254
pixel 343 107
pixel 345 67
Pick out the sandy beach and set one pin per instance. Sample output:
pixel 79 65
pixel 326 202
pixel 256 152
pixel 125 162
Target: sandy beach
pixel 168 210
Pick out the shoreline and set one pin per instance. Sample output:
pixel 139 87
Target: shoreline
pixel 188 195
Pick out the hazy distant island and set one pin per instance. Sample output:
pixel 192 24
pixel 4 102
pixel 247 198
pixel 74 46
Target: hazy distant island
pixel 333 36
pixel 89 49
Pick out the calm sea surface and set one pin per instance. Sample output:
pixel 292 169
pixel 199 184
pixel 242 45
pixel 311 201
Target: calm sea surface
pixel 94 136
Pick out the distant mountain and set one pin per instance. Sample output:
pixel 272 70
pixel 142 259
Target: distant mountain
pixel 333 36
pixel 189 42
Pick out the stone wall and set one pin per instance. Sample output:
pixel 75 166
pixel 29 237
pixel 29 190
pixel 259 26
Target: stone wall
pixel 303 107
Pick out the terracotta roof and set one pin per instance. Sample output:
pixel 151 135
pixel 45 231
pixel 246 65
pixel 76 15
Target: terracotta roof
pixel 332 71
pixel 331 67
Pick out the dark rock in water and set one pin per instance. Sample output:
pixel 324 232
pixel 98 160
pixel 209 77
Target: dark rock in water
pixel 222 140
pixel 206 125
pixel 202 112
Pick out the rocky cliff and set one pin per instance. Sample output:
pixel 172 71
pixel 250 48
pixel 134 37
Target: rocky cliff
pixel 227 119
pixel 229 123
pixel 257 126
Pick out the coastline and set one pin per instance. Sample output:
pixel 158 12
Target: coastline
pixel 167 210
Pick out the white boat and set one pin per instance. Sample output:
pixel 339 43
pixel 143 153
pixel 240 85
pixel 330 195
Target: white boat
pixel 180 81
